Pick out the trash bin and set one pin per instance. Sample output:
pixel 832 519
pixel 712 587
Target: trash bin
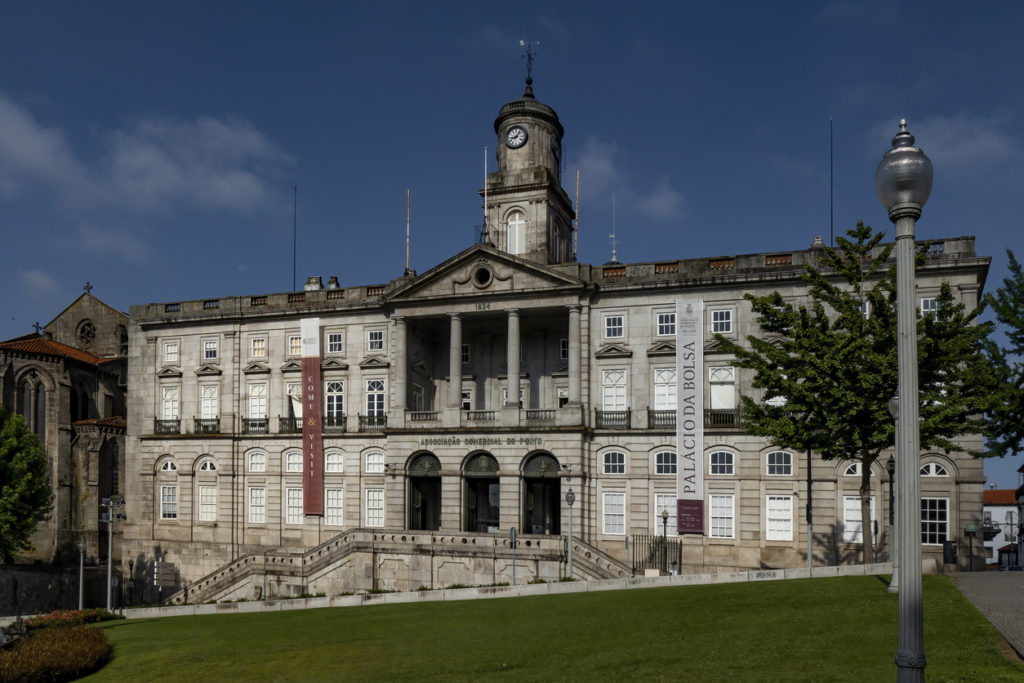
pixel 948 552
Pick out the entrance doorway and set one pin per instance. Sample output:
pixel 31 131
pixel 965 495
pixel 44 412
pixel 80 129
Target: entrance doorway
pixel 425 493
pixel 483 494
pixel 542 495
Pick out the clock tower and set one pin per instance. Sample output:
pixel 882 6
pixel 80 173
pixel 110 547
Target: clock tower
pixel 528 212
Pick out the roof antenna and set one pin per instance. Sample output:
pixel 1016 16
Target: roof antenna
pixel 486 236
pixel 295 229
pixel 576 232
pixel 529 54
pixel 614 261
pixel 408 197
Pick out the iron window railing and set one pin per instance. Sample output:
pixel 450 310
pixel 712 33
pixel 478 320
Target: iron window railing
pixel 206 425
pixel 661 419
pixel 167 426
pixel 255 425
pixel 372 423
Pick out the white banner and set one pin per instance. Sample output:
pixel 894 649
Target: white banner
pixel 690 415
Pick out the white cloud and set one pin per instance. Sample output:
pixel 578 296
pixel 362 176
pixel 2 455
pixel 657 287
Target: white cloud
pixel 963 144
pixel 37 284
pixel 601 178
pixel 126 245
pixel 153 165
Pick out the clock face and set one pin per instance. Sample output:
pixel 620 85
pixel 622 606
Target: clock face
pixel 515 137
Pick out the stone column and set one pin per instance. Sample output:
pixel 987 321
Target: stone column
pixel 513 358
pixel 400 394
pixel 455 362
pixel 575 356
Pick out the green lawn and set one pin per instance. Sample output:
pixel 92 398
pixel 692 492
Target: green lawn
pixel 813 630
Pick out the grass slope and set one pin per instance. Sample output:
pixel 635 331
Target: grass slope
pixel 812 630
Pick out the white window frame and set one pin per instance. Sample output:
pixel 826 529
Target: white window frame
pixel 336 342
pixel 209 401
pixel 929 306
pixel 722 387
pixel 563 349
pixel 334 507
pixel 614 325
pixel 257 400
pixel 168 502
pixel 374 462
pixel 293 462
pixel 665 501
pixel 257 461
pixel 613 513
pixel 206 503
pixel 169 466
pixel 778 515
pixel 171 402
pixel 375 340
pixel 467 399
pixel 293 399
pixel 293 505
pixel 418 397
pixel 258 347
pixel 465 354
pixel 208 466
pixel 853 528
pixel 721 321
pixel 516 230
pixel 781 467
pixel 722 515
pixel 726 467
pixel 334 398
pixel 211 352
pixel 665 324
pixel 665 389
pixel 613 389
pixel 334 462
pixel 669 464
pixel 172 352
pixel 257 504
pixel 934 469
pixel 613 464
pixel 932 528
pixel 374 507
pixel 294 345
pixel 376 395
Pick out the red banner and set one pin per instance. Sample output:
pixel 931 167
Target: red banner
pixel 312 427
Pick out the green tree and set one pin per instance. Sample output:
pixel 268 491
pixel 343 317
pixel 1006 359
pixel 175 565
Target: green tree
pixel 24 486
pixel 1006 417
pixel 828 368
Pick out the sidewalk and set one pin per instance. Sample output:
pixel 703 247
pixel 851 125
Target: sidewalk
pixel 1000 597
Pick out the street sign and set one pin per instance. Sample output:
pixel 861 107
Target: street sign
pixel 164 575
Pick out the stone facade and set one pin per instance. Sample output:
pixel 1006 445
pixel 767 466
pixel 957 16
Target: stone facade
pixel 421 432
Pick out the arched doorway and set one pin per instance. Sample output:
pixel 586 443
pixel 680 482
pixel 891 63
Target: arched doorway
pixel 425 492
pixel 541 495
pixel 483 493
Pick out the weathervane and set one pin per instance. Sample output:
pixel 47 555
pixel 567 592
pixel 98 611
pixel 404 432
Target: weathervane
pixel 38 327
pixel 87 288
pixel 529 53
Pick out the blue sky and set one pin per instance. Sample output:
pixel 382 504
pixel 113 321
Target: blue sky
pixel 152 149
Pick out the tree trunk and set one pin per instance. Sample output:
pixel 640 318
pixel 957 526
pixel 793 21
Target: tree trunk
pixel 867 524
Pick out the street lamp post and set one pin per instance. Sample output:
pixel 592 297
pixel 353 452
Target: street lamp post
pixel 664 540
pixel 570 498
pixel 903 180
pixel 894 541
pixel 81 573
pixel 109 517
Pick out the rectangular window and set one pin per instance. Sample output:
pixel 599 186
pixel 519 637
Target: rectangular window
pixel 374 507
pixel 375 397
pixel 334 510
pixel 666 324
pixel 780 464
pixel 665 389
pixel 375 462
pixel 207 503
pixel 209 402
pixel 563 395
pixel 665 462
pixel 614 328
pixel 335 398
pixel 934 520
pixel 171 354
pixel 294 345
pixel 258 347
pixel 721 462
pixel 665 502
pixel 293 511
pixel 335 342
pixel 257 505
pixel 375 340
pixel 504 396
pixel 613 390
pixel 853 529
pixel 721 321
pixel 614 462
pixel 465 353
pixel 929 307
pixel 467 399
pixel 722 381
pixel 615 513
pixel 563 349
pixel 722 516
pixel 779 510
pixel 257 401
pixel 294 392
pixel 418 398
pixel 168 502
pixel 170 403
pixel 209 349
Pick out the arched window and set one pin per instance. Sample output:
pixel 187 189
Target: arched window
pixel 853 470
pixel 257 461
pixel 334 462
pixel 40 413
pixel 425 465
pixel 780 464
pixel 208 465
pixel 665 462
pixel 169 466
pixel 375 462
pixel 293 461
pixel 516 232
pixel 933 469
pixel 722 462
pixel 614 462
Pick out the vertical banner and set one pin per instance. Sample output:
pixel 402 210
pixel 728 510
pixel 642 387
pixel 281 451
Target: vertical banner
pixel 312 416
pixel 690 416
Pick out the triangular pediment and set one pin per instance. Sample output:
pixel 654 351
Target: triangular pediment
pixel 291 366
pixel 483 269
pixel 374 362
pixel 664 348
pixel 334 364
pixel 256 368
pixel 613 351
pixel 169 371
pixel 207 370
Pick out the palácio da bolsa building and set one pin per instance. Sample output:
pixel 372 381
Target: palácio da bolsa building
pixel 391 435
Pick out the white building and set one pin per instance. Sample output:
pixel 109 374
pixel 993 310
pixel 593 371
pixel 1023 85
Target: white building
pixel 431 456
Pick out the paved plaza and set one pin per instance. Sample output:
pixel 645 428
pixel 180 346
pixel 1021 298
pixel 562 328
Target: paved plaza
pixel 1000 597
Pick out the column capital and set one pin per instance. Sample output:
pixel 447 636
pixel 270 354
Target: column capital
pixel 574 308
pixel 454 315
pixel 513 312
